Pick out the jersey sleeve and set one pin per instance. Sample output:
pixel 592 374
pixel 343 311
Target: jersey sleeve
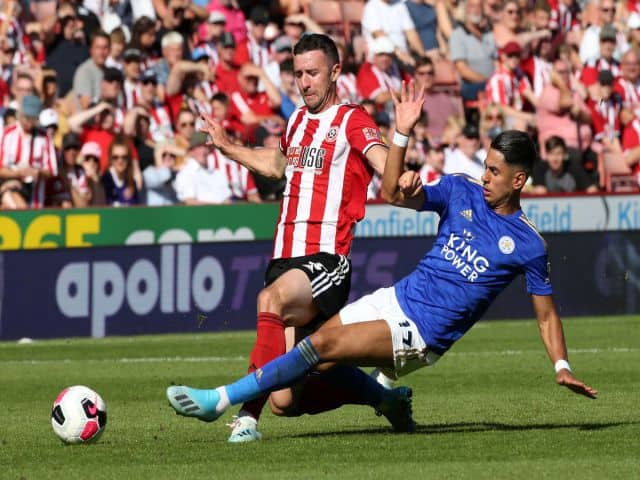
pixel 537 275
pixel 362 132
pixel 437 194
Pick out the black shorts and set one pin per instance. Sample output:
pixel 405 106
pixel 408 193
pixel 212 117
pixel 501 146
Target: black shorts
pixel 329 274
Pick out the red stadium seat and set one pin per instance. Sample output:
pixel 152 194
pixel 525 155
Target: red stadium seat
pixel 328 14
pixel 617 174
pixel 352 16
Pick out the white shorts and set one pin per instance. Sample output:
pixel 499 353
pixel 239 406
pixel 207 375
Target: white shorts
pixel 410 352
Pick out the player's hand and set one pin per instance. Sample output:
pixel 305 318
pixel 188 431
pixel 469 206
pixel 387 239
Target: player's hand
pixel 215 130
pixel 410 184
pixel 565 378
pixel 408 106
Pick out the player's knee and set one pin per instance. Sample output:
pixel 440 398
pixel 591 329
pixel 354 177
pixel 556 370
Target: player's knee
pixel 270 300
pixel 283 406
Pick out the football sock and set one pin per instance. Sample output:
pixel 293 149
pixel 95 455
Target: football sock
pixel 321 394
pixel 358 383
pixel 275 375
pixel 270 344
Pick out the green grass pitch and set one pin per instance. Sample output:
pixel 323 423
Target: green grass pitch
pixel 488 409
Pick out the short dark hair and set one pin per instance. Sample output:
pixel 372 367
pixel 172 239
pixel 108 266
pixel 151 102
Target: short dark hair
pixel 422 61
pixel 220 97
pixel 318 41
pixel 517 148
pixel 555 142
pixel 99 34
pixel 286 66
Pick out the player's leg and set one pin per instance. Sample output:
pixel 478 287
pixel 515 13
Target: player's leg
pixel 367 343
pixel 286 300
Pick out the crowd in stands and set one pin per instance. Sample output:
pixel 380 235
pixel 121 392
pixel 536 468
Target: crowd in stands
pixel 101 99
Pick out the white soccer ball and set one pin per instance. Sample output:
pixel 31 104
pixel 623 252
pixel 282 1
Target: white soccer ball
pixel 78 415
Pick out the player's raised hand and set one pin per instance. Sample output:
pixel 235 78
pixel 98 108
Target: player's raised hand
pixel 565 378
pixel 215 130
pixel 408 106
pixel 410 184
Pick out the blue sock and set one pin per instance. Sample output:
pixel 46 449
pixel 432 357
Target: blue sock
pixel 279 373
pixel 355 380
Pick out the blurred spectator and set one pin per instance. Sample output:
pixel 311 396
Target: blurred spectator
pixel 89 158
pixel 606 61
pixel 592 40
pixel 438 106
pixel 376 78
pixel 137 127
pixel 433 167
pixel 346 84
pixel 172 53
pixel 23 85
pixel 131 88
pixel 633 26
pixel 492 123
pixel 465 156
pixel 185 128
pixel 48 120
pixel 27 158
pixel 561 109
pixel 159 177
pixel 159 115
pixel 509 27
pixel 236 21
pixel 96 125
pixel 605 108
pixel 87 78
pixel 564 16
pixel 282 49
pixel 557 174
pixel 240 181
pixel 196 183
pixel 117 43
pixel 67 50
pixel 509 87
pixel 249 105
pixel 627 86
pixel 289 93
pixel 143 37
pixel 183 90
pixel 425 20
pixel 226 70
pixel 210 33
pixel 118 181
pixel 631 147
pixel 386 18
pixel 473 51
pixel 255 48
pixel 70 188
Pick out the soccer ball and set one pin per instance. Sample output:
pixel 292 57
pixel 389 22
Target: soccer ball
pixel 78 415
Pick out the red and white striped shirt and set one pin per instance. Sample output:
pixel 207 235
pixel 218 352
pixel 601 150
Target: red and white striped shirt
pixel 506 87
pixel 327 176
pixel 428 174
pixel 630 140
pixel 538 72
pixel 131 94
pixel 589 74
pixel 19 149
pixel 347 88
pixel 562 18
pixel 629 94
pixel 371 81
pixel 160 126
pixel 241 182
pixel 605 117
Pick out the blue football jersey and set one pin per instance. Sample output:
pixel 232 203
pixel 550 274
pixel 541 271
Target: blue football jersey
pixel 477 253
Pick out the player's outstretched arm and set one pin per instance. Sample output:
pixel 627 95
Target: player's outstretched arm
pixel 408 107
pixel 268 162
pixel 552 335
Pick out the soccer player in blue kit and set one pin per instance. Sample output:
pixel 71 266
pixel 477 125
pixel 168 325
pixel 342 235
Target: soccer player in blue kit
pixel 484 241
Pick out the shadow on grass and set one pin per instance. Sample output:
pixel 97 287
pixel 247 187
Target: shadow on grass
pixel 472 427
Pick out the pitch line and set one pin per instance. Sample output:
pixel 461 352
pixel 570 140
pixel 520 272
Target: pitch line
pixel 239 358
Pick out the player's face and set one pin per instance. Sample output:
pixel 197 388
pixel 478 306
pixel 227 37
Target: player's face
pixel 316 79
pixel 500 180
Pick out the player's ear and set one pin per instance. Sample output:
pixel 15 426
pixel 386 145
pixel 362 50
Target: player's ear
pixel 519 179
pixel 335 72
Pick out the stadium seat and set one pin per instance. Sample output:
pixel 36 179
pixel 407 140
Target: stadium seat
pixel 352 16
pixel 446 76
pixel 328 14
pixel 616 174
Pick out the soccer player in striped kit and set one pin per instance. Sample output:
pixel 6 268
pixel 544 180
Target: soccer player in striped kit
pixel 328 153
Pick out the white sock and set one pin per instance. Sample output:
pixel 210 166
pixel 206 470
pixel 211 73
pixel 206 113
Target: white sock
pixel 224 402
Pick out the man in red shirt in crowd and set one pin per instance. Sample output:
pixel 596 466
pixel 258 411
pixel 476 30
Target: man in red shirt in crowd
pixel 376 77
pixel 252 107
